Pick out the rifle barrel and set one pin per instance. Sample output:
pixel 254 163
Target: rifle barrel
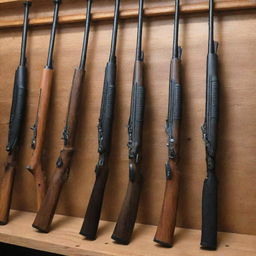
pixel 53 33
pixel 27 5
pixel 139 54
pixel 114 33
pixel 211 48
pixel 176 30
pixel 86 35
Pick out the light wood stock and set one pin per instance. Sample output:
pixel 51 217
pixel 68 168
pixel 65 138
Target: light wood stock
pixel 165 230
pixel 6 190
pixel 35 166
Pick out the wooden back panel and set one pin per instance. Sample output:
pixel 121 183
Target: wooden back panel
pixel 237 141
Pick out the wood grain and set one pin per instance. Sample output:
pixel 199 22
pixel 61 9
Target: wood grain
pixel 237 142
pixel 65 240
pixel 6 189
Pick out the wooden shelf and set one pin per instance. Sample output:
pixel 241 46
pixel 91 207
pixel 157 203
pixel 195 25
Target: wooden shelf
pixel 64 239
pixel 10 1
pixel 202 7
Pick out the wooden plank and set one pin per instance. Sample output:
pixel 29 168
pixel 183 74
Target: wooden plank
pixel 64 239
pixel 201 7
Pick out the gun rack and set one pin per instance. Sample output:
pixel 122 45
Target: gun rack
pixel 202 7
pixel 236 161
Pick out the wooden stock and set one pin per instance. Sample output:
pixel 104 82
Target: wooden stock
pixel 35 166
pixel 165 230
pixel 6 189
pixel 48 207
pixel 127 217
pixel 92 216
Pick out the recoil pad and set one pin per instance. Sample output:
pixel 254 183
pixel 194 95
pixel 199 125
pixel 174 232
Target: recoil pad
pixel 18 107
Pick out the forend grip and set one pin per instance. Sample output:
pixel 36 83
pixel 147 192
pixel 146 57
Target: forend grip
pixel 18 107
pixel 212 64
pixel 69 133
pixel 107 108
pixel 209 213
pixel 135 126
pixel 212 105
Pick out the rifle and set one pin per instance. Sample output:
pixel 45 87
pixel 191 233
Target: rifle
pixel 92 216
pixel 39 128
pixel 165 230
pixel 15 124
pixel 209 129
pixel 47 210
pixel 127 217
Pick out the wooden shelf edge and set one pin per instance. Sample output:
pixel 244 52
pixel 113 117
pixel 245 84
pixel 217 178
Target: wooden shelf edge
pixel 10 1
pixel 229 5
pixel 64 239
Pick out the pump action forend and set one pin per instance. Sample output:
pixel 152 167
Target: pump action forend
pixel 47 210
pixel 209 129
pixel 15 125
pixel 92 216
pixel 165 230
pixel 127 217
pixel 39 128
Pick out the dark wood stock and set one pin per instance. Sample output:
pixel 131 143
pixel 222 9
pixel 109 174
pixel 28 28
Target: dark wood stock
pixel 47 210
pixel 165 230
pixel 6 190
pixel 127 217
pixel 92 216
pixel 35 166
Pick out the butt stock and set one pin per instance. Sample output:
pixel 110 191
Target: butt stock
pixel 6 190
pixel 47 210
pixel 209 213
pixel 166 227
pixel 127 217
pixel 39 130
pixel 92 216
